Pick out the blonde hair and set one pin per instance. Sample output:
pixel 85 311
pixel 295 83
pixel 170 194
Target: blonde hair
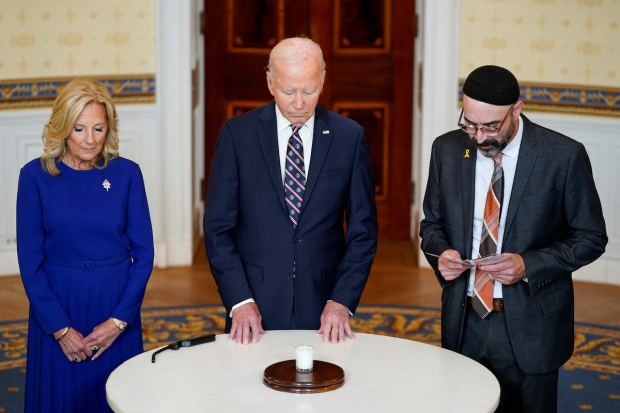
pixel 68 106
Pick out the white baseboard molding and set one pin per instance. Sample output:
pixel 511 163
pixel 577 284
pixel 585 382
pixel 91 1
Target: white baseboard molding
pixel 177 253
pixel 8 263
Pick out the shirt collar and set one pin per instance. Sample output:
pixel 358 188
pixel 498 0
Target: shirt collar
pixel 284 123
pixel 512 150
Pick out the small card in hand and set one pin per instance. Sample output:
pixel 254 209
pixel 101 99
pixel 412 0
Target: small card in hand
pixel 467 263
pixel 491 259
pixel 486 260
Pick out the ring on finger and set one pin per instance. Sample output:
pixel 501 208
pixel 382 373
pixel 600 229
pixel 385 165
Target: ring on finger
pixel 95 348
pixel 75 359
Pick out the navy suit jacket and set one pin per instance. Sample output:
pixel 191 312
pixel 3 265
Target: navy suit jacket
pixel 253 249
pixel 554 221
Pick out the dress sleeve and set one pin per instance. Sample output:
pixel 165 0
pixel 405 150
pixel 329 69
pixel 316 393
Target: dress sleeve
pixel 30 237
pixel 140 234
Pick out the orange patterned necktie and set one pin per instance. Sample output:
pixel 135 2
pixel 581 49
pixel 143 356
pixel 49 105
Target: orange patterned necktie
pixel 483 282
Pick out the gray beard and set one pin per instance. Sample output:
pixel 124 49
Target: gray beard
pixel 496 145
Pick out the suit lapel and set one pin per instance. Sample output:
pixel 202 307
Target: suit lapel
pixel 525 163
pixel 268 140
pixel 468 187
pixel 320 146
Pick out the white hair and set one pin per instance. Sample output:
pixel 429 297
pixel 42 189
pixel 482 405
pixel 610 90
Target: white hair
pixel 295 50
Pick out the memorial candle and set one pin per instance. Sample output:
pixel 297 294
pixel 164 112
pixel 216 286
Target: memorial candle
pixel 304 357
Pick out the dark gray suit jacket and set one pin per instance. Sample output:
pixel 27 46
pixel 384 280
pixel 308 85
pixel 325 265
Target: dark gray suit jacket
pixel 555 222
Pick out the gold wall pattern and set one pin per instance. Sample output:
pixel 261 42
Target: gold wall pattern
pixel 28 93
pixel 565 53
pixel 68 38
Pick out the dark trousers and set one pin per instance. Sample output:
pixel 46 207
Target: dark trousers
pixel 487 342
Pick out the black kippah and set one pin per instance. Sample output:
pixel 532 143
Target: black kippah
pixel 493 85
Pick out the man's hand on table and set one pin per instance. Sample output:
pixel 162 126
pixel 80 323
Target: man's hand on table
pixel 245 318
pixel 335 322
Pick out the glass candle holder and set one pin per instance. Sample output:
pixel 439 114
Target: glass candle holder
pixel 305 357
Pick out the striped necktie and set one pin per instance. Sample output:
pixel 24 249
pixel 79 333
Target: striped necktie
pixel 294 175
pixel 483 282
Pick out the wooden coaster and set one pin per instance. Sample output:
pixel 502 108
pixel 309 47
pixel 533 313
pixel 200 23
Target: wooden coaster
pixel 283 376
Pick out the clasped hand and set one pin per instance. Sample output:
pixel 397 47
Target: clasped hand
pixel 506 272
pixel 77 348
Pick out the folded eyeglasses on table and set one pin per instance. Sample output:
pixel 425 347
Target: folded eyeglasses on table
pixel 194 341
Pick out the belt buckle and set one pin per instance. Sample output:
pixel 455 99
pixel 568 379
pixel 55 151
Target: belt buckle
pixel 88 265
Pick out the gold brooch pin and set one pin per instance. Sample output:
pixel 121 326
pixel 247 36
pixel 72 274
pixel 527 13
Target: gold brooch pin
pixel 466 153
pixel 106 185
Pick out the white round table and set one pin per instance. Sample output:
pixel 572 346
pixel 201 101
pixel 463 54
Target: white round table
pixel 382 374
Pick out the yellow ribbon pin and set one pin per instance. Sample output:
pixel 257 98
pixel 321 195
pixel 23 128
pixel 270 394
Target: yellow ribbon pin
pixel 466 153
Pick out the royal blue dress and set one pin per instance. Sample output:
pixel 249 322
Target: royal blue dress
pixel 85 254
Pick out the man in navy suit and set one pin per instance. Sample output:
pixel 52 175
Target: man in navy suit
pixel 284 178
pixel 549 223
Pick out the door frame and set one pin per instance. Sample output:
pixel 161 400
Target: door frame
pixel 435 96
pixel 437 52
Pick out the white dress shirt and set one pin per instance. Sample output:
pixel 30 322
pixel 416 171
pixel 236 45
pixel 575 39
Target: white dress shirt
pixel 484 173
pixel 284 133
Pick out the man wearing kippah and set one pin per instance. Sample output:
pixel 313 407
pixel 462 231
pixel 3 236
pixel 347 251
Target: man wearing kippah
pixel 505 187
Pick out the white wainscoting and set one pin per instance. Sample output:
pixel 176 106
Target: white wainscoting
pixel 20 140
pixel 602 141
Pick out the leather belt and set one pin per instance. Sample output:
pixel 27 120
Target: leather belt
pixel 498 303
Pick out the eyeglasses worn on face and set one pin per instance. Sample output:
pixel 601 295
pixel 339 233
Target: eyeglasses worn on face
pixel 490 131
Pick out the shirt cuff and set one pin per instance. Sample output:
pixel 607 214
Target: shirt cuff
pixel 249 300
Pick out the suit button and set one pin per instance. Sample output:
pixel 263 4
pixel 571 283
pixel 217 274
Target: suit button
pixel 296 240
pixel 291 275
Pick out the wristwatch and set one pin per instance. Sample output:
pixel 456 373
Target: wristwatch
pixel 118 323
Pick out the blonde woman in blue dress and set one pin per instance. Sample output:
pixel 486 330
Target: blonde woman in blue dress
pixel 85 249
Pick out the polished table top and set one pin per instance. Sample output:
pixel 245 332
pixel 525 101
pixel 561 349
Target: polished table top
pixel 382 374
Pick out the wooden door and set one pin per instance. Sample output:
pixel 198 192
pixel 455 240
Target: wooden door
pixel 368 48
